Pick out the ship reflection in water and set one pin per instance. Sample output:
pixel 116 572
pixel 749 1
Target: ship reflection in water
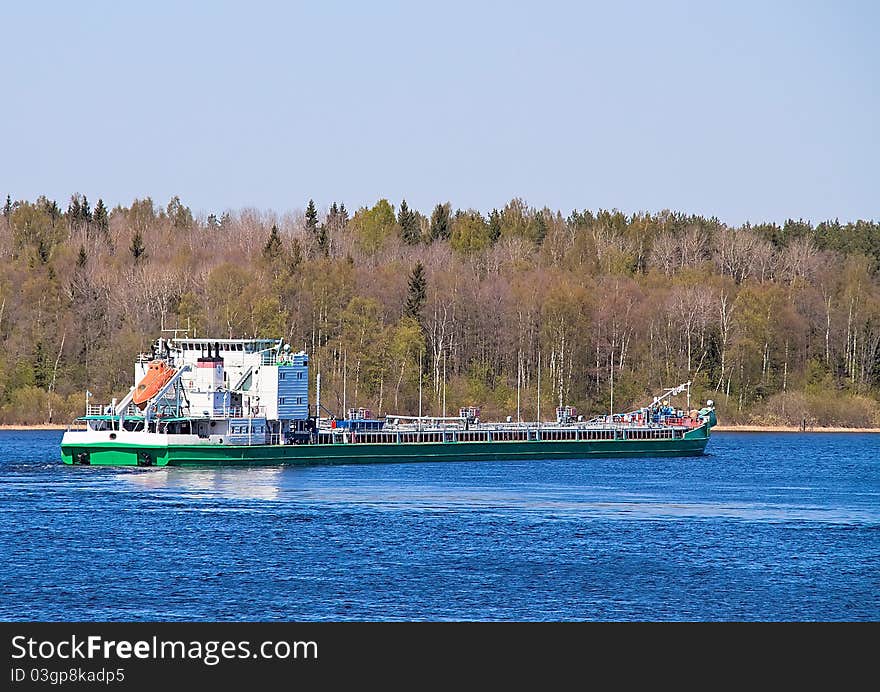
pixel 238 484
pixel 315 487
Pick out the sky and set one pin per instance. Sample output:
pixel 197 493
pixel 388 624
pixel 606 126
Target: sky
pixel 748 111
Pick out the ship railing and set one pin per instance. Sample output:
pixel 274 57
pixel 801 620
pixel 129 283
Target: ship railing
pixel 499 434
pixel 241 412
pixel 107 410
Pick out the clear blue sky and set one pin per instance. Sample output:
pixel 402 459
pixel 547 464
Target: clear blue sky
pixel 744 110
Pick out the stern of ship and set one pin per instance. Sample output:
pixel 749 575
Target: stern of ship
pixel 113 448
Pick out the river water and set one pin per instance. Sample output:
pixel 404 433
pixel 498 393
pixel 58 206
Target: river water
pixel 764 527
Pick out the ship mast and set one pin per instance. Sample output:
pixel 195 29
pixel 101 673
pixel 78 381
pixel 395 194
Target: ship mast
pixel 420 388
pixel 444 384
pixel 612 385
pixel 518 383
pixel 539 388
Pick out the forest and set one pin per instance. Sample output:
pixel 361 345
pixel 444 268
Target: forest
pixel 511 310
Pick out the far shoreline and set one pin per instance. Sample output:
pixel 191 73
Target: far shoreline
pixel 792 429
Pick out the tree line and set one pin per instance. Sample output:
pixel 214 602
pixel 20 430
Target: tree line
pixel 776 323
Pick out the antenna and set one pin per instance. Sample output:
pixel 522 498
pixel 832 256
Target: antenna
pixel 518 381
pixel 539 387
pixel 612 385
pixel 421 353
pixel 177 330
pixel 444 384
pixel 318 396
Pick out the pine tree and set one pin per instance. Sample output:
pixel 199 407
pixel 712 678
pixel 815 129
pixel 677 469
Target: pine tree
pixel 296 255
pixel 179 214
pixel 540 228
pixel 73 212
pixel 53 210
pixel 323 240
pixel 85 213
pixel 7 209
pixel 273 247
pixel 409 225
pixel 44 251
pixel 41 364
pixel 440 222
pixel 101 217
pixel 312 220
pixel 343 215
pixel 138 249
pixel 495 225
pixel 418 293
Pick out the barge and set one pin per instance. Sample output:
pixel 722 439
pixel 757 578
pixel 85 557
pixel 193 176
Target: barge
pixel 228 402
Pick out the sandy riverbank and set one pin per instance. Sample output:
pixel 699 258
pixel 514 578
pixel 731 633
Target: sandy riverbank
pixel 793 429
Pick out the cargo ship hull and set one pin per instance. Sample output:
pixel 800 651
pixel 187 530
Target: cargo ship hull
pixel 137 453
pixel 245 402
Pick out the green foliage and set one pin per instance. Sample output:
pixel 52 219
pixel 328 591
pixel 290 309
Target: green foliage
pixel 417 293
pixel 296 255
pixel 470 234
pixel 409 224
pixel 137 248
pixel 323 240
pixel 42 364
pixel 273 248
pixel 772 321
pixel 101 218
pixel 180 215
pixel 190 313
pixel 229 301
pixel 440 222
pixel 373 226
pixel 85 211
pixel 494 225
pixel 74 217
pixel 312 221
pixel 539 228
pixel 33 231
pixel 141 214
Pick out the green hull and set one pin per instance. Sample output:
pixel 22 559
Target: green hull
pixel 116 454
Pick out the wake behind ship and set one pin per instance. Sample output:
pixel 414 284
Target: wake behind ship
pixel 246 402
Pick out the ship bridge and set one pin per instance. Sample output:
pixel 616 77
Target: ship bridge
pixel 244 377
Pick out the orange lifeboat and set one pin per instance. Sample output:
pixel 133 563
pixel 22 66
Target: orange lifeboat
pixel 158 374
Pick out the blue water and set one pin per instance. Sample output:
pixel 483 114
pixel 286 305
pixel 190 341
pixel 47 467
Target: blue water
pixel 765 527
